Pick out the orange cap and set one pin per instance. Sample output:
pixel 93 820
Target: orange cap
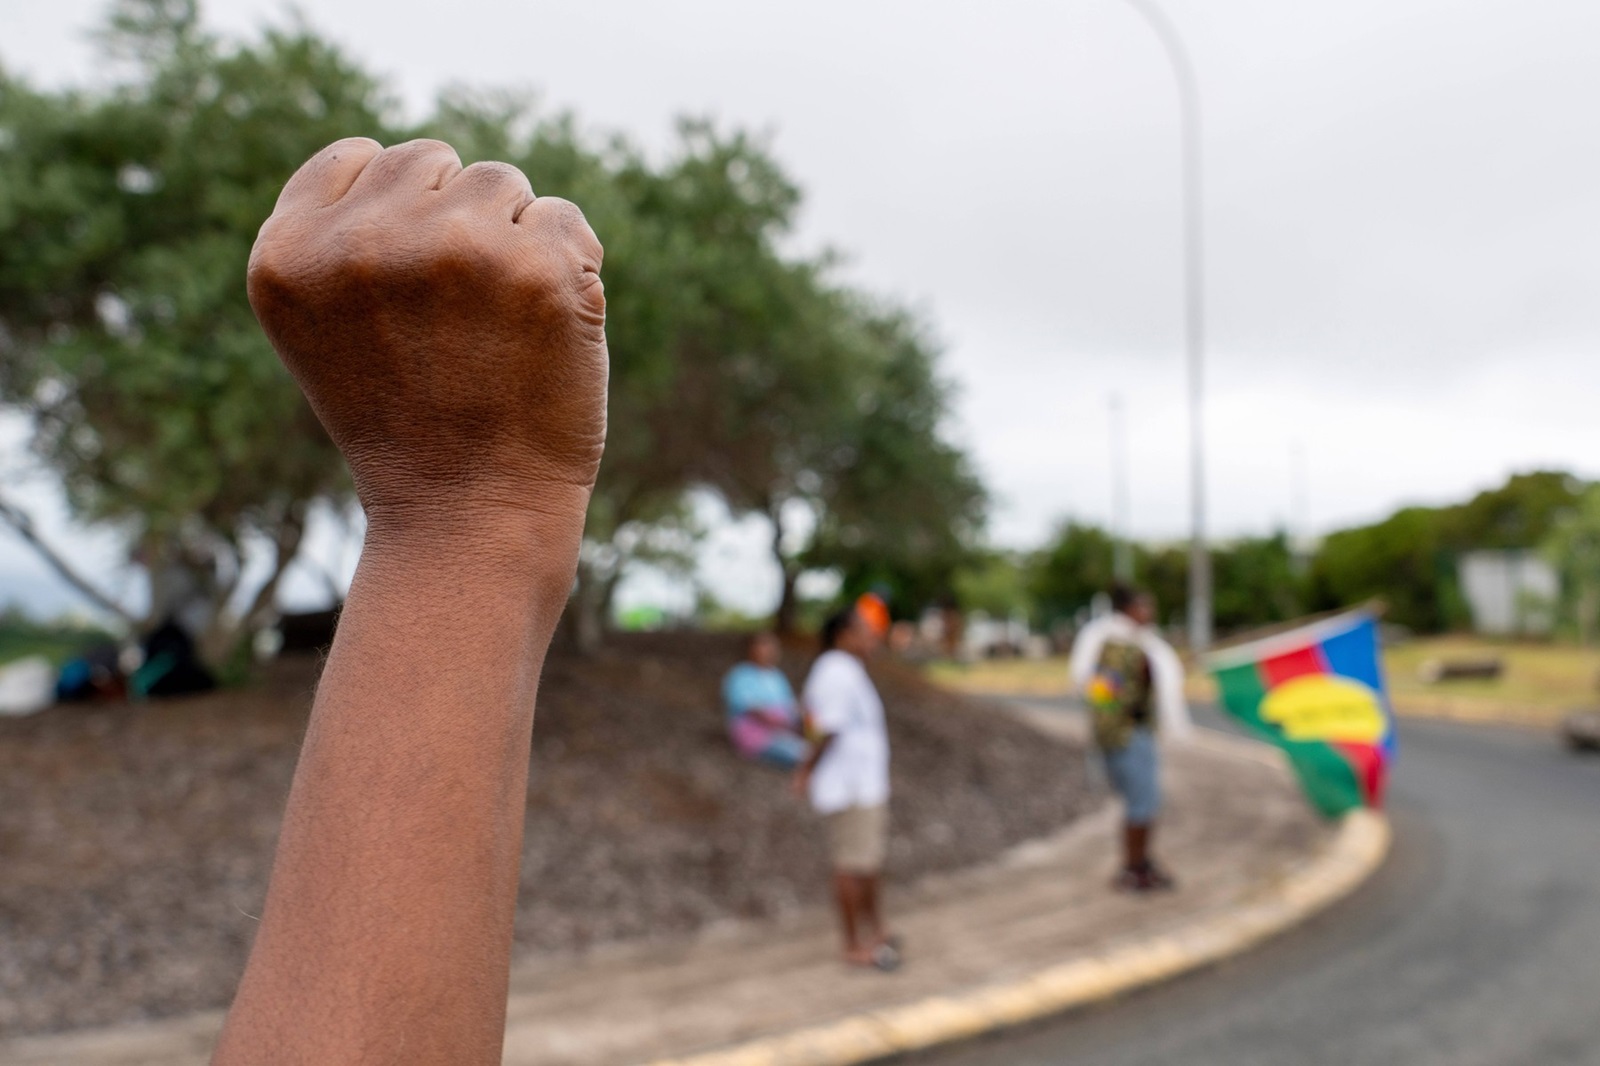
pixel 872 608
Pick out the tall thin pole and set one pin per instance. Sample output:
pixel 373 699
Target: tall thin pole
pixel 1122 559
pixel 1299 506
pixel 1200 614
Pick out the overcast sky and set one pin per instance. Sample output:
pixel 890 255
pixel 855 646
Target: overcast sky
pixel 1402 207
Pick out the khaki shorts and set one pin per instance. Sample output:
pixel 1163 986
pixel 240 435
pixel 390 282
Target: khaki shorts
pixel 858 839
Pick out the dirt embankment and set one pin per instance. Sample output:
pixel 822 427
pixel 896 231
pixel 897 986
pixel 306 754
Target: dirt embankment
pixel 135 843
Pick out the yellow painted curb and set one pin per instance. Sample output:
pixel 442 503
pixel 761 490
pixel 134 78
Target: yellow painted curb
pixel 1357 850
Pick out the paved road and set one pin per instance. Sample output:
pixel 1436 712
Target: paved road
pixel 1477 944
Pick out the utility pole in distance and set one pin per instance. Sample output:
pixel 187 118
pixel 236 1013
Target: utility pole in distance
pixel 1200 609
pixel 1299 508
pixel 1122 558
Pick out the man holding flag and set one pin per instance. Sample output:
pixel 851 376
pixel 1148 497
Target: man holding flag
pixel 1132 683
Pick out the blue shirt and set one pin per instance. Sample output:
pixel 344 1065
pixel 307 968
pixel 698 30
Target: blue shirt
pixel 749 687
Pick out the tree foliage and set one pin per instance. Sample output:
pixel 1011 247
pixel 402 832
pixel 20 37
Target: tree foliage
pixel 1255 583
pixel 996 583
pixel 125 335
pixel 126 218
pixel 743 371
pixel 897 505
pixel 1070 571
pixel 1409 559
pixel 1573 548
pixel 1255 580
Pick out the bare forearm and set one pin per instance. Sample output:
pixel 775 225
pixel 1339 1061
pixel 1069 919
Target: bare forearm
pixel 818 750
pixel 448 329
pixel 406 813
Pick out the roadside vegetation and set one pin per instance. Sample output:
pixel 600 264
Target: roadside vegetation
pixel 739 367
pixel 22 636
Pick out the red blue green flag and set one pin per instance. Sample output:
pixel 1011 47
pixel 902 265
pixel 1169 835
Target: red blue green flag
pixel 1317 692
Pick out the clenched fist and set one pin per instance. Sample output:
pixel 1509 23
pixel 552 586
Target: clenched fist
pixel 448 328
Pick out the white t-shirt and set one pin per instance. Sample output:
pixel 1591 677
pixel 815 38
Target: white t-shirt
pixel 854 771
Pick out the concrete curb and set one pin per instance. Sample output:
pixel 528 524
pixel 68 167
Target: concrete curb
pixel 1358 848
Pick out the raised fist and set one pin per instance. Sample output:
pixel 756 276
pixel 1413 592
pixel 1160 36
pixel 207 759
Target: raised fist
pixel 447 327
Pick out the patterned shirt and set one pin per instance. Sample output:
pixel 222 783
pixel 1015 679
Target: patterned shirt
pixel 1119 695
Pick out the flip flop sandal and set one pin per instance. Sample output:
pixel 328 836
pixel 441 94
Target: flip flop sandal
pixel 1154 879
pixel 886 957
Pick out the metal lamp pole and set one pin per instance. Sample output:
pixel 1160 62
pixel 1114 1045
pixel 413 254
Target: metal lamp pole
pixel 1200 613
pixel 1122 543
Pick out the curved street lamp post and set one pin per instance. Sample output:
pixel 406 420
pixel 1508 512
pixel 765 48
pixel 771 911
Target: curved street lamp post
pixel 1200 612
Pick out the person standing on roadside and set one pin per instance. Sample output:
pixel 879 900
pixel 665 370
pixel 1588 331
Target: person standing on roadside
pixel 846 779
pixel 1132 682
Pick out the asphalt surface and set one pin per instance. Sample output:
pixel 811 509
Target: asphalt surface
pixel 1477 943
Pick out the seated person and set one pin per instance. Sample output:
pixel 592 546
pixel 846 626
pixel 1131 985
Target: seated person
pixel 763 718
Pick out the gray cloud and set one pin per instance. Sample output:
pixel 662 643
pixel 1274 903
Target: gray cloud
pixel 1401 208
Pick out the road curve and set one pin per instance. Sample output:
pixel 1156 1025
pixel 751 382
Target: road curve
pixel 1477 943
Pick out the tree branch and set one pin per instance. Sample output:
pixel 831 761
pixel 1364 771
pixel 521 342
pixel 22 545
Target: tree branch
pixel 224 633
pixel 287 545
pixel 22 523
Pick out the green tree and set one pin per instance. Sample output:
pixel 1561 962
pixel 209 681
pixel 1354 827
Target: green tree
pixel 1073 568
pixel 1573 548
pixel 126 219
pixel 1256 583
pixel 897 504
pixel 1404 561
pixel 1255 579
pixel 125 337
pixel 996 583
pixel 726 366
pixel 1164 571
pixel 1518 515
pixel 1409 559
pixel 656 285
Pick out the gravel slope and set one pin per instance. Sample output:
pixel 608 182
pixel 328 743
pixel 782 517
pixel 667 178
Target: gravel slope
pixel 135 843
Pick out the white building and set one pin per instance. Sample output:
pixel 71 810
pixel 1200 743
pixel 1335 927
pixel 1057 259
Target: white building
pixel 1510 593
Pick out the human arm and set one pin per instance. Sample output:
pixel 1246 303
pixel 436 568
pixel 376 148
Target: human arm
pixel 448 329
pixel 826 699
pixel 1085 655
pixel 801 782
pixel 1171 702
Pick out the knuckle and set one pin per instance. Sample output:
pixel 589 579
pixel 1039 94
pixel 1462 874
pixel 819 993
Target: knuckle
pixel 495 172
pixel 422 146
pixel 566 217
pixel 348 145
pixel 573 229
pixel 591 301
pixel 264 274
pixel 272 256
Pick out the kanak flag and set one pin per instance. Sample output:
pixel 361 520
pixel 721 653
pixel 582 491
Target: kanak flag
pixel 1317 692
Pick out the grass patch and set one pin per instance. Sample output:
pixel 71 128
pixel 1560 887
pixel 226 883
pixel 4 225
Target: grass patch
pixel 1003 677
pixel 22 637
pixel 1540 684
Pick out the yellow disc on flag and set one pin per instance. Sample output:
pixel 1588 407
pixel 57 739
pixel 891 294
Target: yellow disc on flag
pixel 1325 707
